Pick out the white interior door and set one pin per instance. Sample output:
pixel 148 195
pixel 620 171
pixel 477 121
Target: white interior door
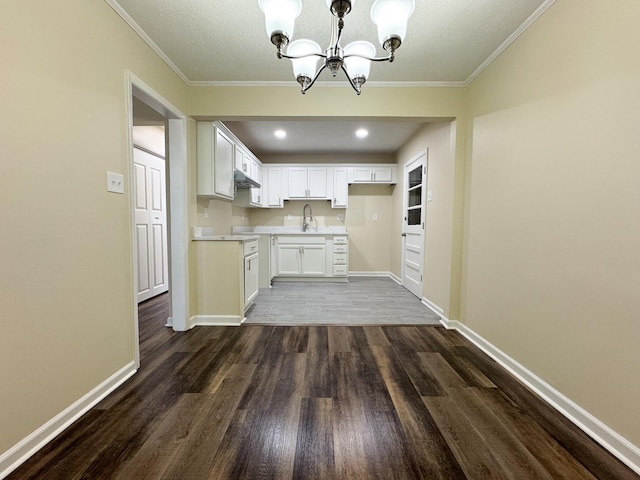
pixel 415 180
pixel 151 224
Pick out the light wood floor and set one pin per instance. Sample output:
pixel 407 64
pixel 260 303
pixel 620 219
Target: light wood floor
pixel 361 301
pixel 318 402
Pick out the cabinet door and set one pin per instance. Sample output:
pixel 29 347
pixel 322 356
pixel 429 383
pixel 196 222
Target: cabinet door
pixel 256 193
pixel 274 187
pixel 314 260
pixel 250 278
pixel 362 175
pixel 289 259
pixel 298 182
pixel 241 160
pixel 382 175
pixel 223 165
pixel 340 188
pixel 273 258
pixel 317 182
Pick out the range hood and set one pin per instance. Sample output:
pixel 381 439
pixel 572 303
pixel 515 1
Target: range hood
pixel 241 180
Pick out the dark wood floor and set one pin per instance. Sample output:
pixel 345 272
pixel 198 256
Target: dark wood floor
pixel 318 402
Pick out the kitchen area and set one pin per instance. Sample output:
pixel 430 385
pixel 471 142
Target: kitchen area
pixel 261 222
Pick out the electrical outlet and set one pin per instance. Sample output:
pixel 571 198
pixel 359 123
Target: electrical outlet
pixel 289 217
pixel 341 217
pixel 115 182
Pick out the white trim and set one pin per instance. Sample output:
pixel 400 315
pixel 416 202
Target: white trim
pixel 368 274
pixel 395 278
pixel 178 183
pixel 432 306
pixel 217 320
pixel 612 441
pixel 512 38
pixel 147 39
pixel 341 84
pixel 19 453
pixel 390 275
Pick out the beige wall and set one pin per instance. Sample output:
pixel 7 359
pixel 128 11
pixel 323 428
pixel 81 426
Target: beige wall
pixel 369 240
pixel 552 269
pixel 438 139
pixel 65 243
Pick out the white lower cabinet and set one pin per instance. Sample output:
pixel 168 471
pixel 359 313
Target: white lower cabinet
pixel 312 256
pixel 251 272
pixel 302 258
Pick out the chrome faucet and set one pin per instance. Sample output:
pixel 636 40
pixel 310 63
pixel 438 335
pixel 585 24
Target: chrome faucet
pixel 305 225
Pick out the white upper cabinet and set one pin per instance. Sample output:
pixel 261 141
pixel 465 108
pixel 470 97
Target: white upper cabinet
pixel 215 158
pixel 307 182
pixel 256 193
pixel 386 174
pixel 243 162
pixel 273 187
pixel 340 197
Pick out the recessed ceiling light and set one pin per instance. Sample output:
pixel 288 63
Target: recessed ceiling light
pixel 361 133
pixel 280 134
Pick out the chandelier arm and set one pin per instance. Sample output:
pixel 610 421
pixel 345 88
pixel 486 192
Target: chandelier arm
pixel 296 57
pixel 315 77
pixel 371 59
pixel 353 85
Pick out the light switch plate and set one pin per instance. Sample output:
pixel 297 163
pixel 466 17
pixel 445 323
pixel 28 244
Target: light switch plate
pixel 115 182
pixel 375 217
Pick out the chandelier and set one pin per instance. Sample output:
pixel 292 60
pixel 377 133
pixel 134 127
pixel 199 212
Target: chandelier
pixel 390 16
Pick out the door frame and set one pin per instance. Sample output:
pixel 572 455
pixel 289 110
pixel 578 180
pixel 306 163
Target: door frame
pixel 423 217
pixel 177 196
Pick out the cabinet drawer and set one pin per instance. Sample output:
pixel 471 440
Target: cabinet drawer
pixel 339 258
pixel 250 247
pixel 339 248
pixel 339 270
pixel 340 241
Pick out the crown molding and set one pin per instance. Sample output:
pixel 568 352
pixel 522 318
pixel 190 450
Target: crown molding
pixel 289 84
pixel 138 29
pixel 512 38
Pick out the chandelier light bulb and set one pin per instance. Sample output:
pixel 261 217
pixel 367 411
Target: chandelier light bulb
pixel 391 17
pixel 357 66
pixel 280 17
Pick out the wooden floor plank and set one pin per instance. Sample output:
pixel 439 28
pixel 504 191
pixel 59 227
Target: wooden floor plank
pixel 327 402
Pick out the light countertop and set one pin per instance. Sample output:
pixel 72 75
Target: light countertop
pixel 281 230
pixel 206 233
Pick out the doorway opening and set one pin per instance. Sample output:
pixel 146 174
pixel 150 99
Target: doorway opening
pixel 145 106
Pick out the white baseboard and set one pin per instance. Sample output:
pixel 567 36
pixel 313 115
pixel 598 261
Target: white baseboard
pixel 368 274
pixel 18 454
pixel 216 320
pixel 390 275
pixel 433 307
pixel 612 441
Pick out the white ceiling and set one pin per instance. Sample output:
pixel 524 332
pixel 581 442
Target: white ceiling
pixel 224 42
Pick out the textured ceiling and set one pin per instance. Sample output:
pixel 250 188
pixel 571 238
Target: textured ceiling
pixel 224 42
